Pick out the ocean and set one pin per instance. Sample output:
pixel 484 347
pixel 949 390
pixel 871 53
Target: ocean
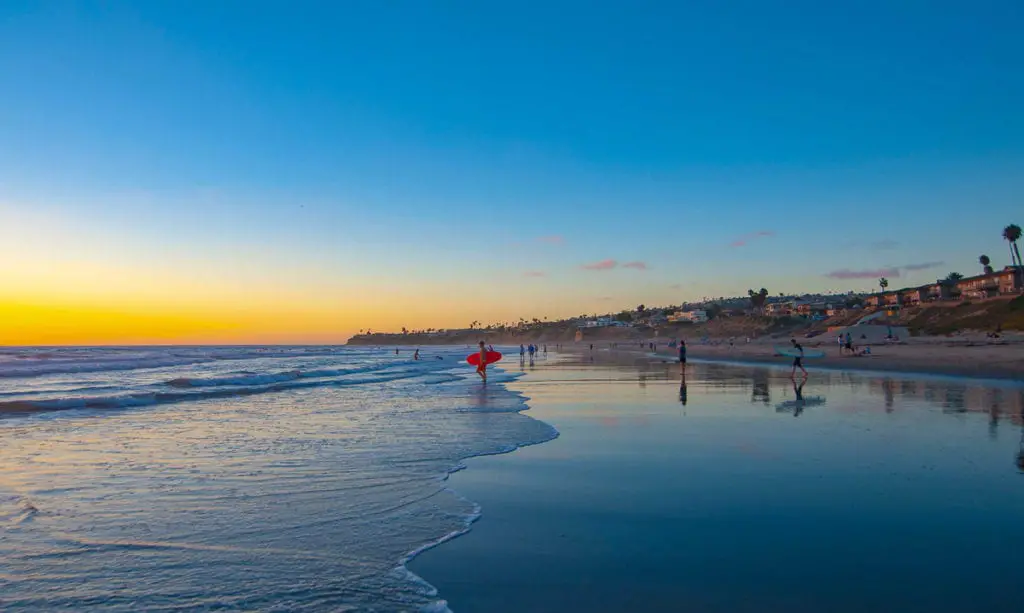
pixel 237 478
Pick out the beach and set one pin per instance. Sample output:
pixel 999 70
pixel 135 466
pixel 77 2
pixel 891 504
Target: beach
pixel 360 479
pixel 886 492
pixel 968 355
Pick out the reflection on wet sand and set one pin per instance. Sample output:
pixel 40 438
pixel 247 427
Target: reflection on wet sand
pixel 1003 402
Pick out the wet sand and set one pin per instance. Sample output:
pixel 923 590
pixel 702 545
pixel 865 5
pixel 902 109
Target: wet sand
pixel 961 356
pixel 873 493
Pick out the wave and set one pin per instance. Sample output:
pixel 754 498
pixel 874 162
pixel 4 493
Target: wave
pixel 215 390
pixel 250 378
pixel 34 364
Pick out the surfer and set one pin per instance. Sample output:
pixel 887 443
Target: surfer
pixel 682 358
pixel 481 368
pixel 798 360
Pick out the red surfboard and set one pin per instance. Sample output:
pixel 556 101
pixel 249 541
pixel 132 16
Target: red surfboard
pixel 474 358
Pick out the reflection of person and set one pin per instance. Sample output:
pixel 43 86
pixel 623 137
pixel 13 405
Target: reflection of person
pixel 1020 454
pixel 682 391
pixel 799 391
pixel 481 368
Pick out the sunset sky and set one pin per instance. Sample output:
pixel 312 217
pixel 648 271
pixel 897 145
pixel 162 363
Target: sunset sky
pixel 258 172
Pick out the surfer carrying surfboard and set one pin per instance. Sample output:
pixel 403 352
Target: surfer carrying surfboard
pixel 481 368
pixel 798 360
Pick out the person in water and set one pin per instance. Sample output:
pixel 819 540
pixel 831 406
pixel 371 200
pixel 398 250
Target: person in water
pixel 416 354
pixel 798 361
pixel 481 368
pixel 682 357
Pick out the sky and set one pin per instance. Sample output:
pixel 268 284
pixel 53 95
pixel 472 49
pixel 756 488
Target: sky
pixel 295 172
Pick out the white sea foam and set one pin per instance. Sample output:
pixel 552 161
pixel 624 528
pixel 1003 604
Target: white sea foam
pixel 284 479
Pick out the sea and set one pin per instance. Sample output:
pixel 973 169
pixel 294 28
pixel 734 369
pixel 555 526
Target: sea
pixel 238 478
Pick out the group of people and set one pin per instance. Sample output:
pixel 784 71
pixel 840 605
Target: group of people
pixel 846 346
pixel 531 349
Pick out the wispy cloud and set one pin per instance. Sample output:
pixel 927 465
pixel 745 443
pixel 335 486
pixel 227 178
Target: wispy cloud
pixel 554 239
pixel 635 265
pixel 535 273
pixel 602 265
pixel 888 271
pixel 741 241
pixel 923 266
pixel 886 244
pixel 676 286
pixel 874 273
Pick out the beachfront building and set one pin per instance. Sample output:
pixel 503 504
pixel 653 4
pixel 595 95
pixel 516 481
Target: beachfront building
pixel 696 316
pixel 834 310
pixel 940 290
pixel 810 309
pixel 874 300
pixel 913 296
pixel 600 322
pixel 1009 280
pixel 891 298
pixel 778 309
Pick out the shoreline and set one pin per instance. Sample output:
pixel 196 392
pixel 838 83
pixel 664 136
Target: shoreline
pixel 657 497
pixel 997 363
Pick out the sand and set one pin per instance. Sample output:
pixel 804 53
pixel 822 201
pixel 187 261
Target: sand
pixel 882 494
pixel 968 355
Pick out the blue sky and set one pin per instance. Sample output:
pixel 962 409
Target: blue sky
pixel 337 149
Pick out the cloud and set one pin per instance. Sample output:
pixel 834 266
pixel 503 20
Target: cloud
pixel 635 265
pixel 553 239
pixel 923 266
pixel 676 286
pixel 602 265
pixel 889 271
pixel 741 241
pixel 535 273
pixel 886 244
pixel 846 273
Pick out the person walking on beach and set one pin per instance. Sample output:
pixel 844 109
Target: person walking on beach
pixel 798 361
pixel 522 352
pixel 481 368
pixel 682 358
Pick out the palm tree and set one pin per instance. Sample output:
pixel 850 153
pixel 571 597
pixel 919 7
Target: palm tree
pixel 985 263
pixel 1012 234
pixel 883 283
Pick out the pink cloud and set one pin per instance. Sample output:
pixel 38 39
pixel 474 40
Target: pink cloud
pixel 553 239
pixel 635 265
pixel 535 273
pixel 752 236
pixel 846 273
pixel 602 265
